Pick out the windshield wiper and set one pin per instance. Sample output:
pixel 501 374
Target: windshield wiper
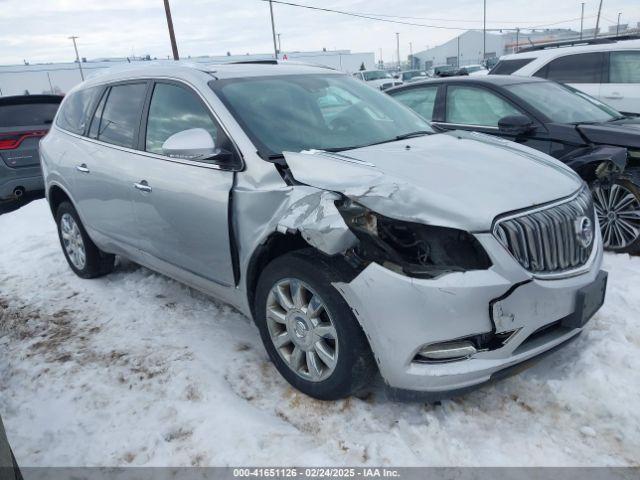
pixel 418 133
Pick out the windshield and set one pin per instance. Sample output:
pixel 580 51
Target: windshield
pixel 322 112
pixel 561 104
pixel 376 75
pixel 410 75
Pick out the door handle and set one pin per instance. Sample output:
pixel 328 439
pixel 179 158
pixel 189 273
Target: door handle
pixel 614 96
pixel 143 186
pixel 82 168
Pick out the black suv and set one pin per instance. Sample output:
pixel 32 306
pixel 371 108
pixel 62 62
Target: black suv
pixel 601 144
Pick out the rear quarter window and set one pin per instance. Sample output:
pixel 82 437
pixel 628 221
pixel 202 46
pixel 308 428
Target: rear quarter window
pixel 29 114
pixel 507 67
pixel 577 68
pixel 75 110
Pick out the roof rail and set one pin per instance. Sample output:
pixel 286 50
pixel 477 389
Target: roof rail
pixel 577 42
pixel 259 62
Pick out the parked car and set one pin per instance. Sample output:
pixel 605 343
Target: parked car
pixel 24 120
pixel 357 238
pixel 411 76
pixel 380 79
pixel 472 70
pixel 601 144
pixel 608 70
pixel 445 71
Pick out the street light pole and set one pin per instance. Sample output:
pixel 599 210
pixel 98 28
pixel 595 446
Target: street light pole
pixel 398 48
pixel 75 47
pixel 484 32
pixel 618 24
pixel 172 35
pixel 279 45
pixel 273 30
pixel 581 20
pixel 595 33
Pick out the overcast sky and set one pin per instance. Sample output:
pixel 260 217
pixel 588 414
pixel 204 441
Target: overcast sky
pixel 38 30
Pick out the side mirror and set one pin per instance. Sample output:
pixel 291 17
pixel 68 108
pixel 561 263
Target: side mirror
pixel 192 144
pixel 515 125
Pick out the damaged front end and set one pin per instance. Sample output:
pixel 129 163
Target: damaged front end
pixel 414 249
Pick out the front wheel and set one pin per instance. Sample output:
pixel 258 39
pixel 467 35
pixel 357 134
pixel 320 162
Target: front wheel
pixel 308 330
pixel 617 207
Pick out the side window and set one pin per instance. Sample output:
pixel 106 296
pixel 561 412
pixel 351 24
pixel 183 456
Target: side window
pixel 476 106
pixel 75 110
pixel 94 128
pixel 174 109
pixel 624 67
pixel 580 68
pixel 507 67
pixel 421 100
pixel 121 114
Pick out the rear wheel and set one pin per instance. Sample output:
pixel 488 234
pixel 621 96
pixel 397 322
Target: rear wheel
pixel 83 256
pixel 308 329
pixel 617 207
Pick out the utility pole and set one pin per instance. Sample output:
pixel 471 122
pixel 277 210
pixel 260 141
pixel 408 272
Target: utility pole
pixel 618 24
pixel 273 30
pixel 517 39
pixel 595 34
pixel 172 35
pixel 75 47
pixel 458 57
pixel 398 48
pixel 581 20
pixel 411 54
pixel 484 32
pixel 279 45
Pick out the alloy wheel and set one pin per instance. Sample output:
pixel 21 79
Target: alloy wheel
pixel 618 212
pixel 72 241
pixel 301 329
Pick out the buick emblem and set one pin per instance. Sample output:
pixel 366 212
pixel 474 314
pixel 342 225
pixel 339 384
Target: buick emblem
pixel 584 231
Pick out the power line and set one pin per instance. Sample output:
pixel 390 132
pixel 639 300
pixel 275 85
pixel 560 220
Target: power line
pixel 390 18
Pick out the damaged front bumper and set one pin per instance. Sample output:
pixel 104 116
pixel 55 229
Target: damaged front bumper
pixel 400 315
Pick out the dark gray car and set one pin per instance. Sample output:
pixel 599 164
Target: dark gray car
pixel 24 120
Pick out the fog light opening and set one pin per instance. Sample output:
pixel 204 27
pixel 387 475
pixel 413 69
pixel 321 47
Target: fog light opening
pixel 446 351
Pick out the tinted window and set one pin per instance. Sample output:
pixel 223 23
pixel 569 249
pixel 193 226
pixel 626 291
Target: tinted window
pixel 303 112
pixel 27 114
pixel 476 106
pixel 75 109
pixel 421 100
pixel 624 67
pixel 121 114
pixel 172 110
pixel 582 68
pixel 507 67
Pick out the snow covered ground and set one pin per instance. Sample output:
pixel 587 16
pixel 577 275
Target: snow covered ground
pixel 136 369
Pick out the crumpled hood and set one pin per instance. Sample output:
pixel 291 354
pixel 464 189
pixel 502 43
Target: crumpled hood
pixel 625 132
pixel 457 179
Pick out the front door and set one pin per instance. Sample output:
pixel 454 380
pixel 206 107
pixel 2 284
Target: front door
pixel 479 109
pixel 622 91
pixel 182 206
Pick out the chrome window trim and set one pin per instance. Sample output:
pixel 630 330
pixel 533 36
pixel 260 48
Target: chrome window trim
pixel 192 87
pixel 558 275
pixel 465 125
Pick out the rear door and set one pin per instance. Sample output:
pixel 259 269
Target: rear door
pixel 420 99
pixel 622 88
pixel 584 71
pixel 105 163
pixel 183 210
pixel 23 122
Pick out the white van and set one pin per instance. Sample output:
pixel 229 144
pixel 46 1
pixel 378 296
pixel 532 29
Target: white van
pixel 606 69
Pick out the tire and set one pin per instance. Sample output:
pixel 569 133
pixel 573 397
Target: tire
pixel 74 239
pixel 612 241
pixel 354 366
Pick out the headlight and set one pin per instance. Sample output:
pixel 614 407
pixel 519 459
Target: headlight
pixel 417 250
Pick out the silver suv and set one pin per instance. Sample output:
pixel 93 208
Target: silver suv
pixel 358 239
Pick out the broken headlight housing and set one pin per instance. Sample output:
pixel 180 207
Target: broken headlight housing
pixel 414 249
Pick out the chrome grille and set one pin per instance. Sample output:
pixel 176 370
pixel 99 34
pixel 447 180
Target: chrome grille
pixel 545 240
